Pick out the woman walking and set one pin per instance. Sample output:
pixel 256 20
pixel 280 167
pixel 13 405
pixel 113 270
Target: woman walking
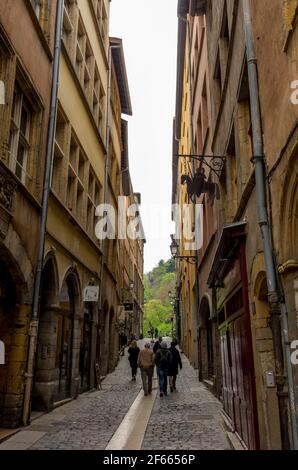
pixel 173 370
pixel 146 365
pixel 133 352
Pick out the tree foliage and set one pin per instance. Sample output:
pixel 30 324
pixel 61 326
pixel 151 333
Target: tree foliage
pixel 158 308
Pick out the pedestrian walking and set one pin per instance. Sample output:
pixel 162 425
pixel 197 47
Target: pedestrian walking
pixel 173 370
pixel 157 344
pixel 146 365
pixel 123 342
pixel 133 354
pixel 163 359
pixel 152 344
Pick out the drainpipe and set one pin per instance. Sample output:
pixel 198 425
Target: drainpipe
pixel 277 306
pixel 33 330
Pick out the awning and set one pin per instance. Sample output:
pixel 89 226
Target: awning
pixel 226 252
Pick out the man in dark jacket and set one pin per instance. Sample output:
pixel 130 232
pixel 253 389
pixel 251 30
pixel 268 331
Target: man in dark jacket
pixel 157 344
pixel 163 360
pixel 176 361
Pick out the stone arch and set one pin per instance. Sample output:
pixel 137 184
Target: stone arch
pixel 14 255
pixel 69 335
pixel 16 288
pixel 264 357
pixel 206 342
pixel 45 362
pixel 289 212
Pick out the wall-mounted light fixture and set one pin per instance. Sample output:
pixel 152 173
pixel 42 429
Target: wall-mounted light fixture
pixel 175 252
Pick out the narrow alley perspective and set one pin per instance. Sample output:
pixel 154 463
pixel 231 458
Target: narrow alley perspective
pixel 120 417
pixel 148 232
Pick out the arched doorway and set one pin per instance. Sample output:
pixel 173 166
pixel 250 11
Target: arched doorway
pixel 112 340
pixel 268 415
pixel 7 316
pixel 45 364
pixel 85 349
pixel 106 338
pixel 64 344
pixel 206 351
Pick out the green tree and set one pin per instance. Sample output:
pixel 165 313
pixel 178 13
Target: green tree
pixel 158 308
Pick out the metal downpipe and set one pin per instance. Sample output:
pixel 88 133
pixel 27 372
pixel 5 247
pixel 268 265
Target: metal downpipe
pixel 277 305
pixel 33 330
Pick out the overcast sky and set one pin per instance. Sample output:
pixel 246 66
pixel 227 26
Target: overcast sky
pixel 149 33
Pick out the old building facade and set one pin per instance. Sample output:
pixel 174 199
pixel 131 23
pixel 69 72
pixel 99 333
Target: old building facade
pixel 25 71
pixel 68 337
pixel 239 325
pixel 77 321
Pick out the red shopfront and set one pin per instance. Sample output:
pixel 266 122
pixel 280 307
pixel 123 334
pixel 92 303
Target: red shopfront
pixel 228 277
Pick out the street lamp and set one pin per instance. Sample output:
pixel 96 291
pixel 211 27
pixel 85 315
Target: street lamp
pixel 175 252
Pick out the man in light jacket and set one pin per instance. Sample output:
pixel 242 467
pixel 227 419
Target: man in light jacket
pixel 146 365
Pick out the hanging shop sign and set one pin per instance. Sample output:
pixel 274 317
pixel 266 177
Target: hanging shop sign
pixel 91 294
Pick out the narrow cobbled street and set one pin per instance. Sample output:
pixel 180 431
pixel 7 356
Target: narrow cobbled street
pixel 120 417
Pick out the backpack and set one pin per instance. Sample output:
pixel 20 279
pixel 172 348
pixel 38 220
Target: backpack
pixel 164 358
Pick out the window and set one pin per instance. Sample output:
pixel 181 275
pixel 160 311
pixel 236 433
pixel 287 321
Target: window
pixel 218 81
pixel 290 16
pixel 224 41
pixel 20 134
pixel 244 134
pixel 88 71
pixel 231 180
pixel 101 17
pixel 80 50
pixel 205 112
pixel 67 23
pixel 37 5
pixel 60 151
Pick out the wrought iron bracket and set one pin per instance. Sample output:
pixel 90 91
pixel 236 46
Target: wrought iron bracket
pixel 214 162
pixel 188 259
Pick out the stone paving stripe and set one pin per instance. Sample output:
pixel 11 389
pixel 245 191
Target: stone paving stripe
pixel 22 440
pixel 130 434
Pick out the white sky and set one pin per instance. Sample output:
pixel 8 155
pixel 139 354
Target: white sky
pixel 148 29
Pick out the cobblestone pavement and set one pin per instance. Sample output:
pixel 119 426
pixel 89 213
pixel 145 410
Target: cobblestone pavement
pixel 91 420
pixel 188 418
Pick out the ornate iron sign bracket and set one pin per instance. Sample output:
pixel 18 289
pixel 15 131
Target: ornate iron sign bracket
pixel 214 162
pixel 198 184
